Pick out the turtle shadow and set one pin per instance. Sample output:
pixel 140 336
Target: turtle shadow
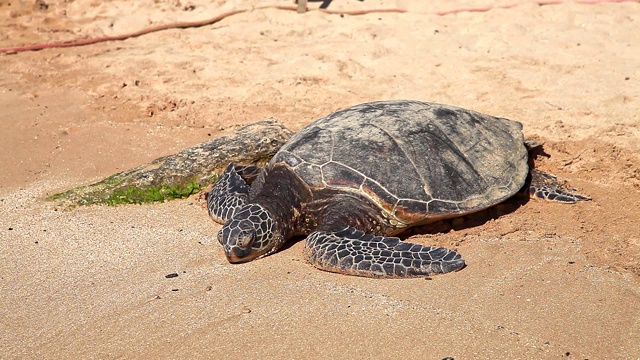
pixel 458 223
pixel 470 220
pixel 289 243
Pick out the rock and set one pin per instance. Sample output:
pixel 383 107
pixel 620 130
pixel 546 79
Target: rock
pixel 184 173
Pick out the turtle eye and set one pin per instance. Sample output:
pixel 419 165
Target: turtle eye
pixel 246 239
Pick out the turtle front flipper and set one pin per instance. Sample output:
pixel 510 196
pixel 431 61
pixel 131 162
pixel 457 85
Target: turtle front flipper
pixel 547 187
pixel 230 192
pixel 353 252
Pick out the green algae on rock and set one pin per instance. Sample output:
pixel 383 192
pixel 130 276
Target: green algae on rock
pixel 182 174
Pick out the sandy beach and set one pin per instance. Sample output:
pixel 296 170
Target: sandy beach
pixel 544 281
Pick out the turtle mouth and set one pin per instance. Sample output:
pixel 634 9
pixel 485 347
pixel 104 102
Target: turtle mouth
pixel 238 255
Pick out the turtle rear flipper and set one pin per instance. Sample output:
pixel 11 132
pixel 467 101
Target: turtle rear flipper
pixel 230 192
pixel 546 186
pixel 353 252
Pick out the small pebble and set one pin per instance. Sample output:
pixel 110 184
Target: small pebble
pixel 246 310
pixel 169 276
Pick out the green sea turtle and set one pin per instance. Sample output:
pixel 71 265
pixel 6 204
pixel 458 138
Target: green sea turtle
pixel 357 177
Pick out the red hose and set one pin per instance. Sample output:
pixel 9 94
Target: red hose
pixel 192 24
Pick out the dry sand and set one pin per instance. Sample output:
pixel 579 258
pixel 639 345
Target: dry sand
pixel 544 281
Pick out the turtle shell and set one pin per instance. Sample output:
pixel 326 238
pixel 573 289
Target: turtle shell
pixel 417 161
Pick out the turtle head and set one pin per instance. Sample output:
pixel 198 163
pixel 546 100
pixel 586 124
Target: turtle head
pixel 249 234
